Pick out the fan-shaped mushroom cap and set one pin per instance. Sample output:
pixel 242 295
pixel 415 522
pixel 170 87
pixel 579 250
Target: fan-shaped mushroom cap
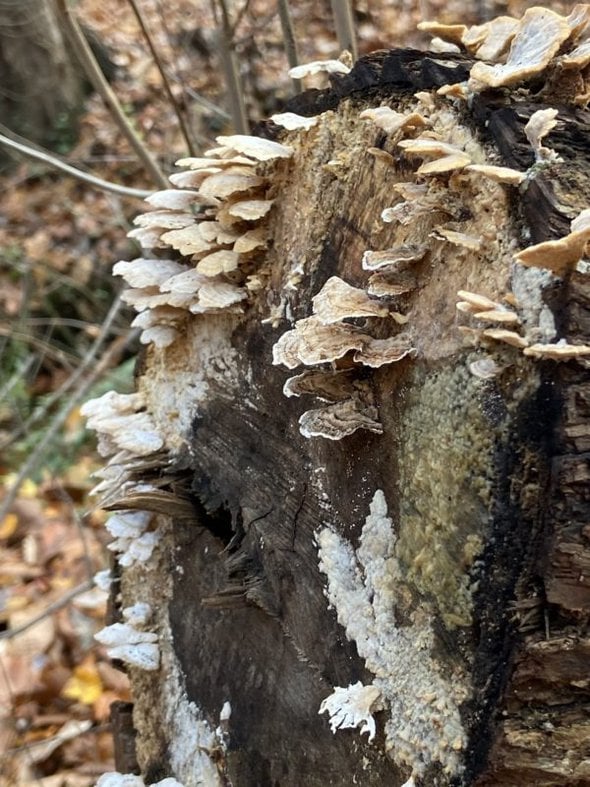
pixel 391 121
pixel 396 258
pixel 217 294
pixel 460 238
pixel 444 164
pixel 223 185
pixel 338 300
pixel 378 352
pixel 537 40
pixel 311 342
pixel 147 273
pixel 188 240
pixel 508 337
pixel 511 177
pixel 559 351
pixel 164 219
pixel 494 36
pixel 251 240
pixel 174 199
pixel 293 122
pixel 189 281
pixel 539 125
pixel 256 147
pixel 160 336
pixel 318 66
pixel 329 386
pixel 206 162
pixel 335 421
pixel 222 261
pixel 250 209
pixel 452 33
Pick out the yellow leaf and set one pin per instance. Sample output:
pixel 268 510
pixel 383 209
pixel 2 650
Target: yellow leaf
pixel 85 684
pixel 8 525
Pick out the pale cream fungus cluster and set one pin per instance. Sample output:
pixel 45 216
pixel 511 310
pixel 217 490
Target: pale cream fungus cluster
pixel 216 219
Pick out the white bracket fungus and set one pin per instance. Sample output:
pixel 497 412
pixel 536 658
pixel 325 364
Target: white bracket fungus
pixel 339 420
pixel 537 39
pixel 136 648
pixel 424 725
pixel 352 707
pixel 560 255
pixel 256 147
pixel 338 300
pixel 391 121
pixel 539 125
pixel 317 67
pixel 293 122
pixel 116 779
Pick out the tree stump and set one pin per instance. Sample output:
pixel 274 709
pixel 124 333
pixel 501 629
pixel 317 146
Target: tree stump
pixel 413 515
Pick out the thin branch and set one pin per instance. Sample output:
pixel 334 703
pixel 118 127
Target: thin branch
pixel 85 177
pixel 342 11
pixel 239 17
pixel 160 66
pixel 289 40
pixel 83 385
pixel 232 74
pixel 61 602
pixel 206 104
pixel 90 65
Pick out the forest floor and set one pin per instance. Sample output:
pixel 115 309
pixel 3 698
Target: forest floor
pixel 58 241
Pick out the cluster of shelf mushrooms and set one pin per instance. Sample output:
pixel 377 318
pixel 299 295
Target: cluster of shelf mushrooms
pixel 215 220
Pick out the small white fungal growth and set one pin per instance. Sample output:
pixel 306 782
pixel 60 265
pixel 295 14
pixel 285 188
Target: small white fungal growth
pixel 103 580
pixel 318 66
pixel 120 424
pixel 136 648
pixel 137 615
pixel 116 779
pixel 424 725
pixel 352 707
pixel 540 124
pixel 293 122
pixel 256 147
pixel 225 712
pixel 484 368
pixel 391 121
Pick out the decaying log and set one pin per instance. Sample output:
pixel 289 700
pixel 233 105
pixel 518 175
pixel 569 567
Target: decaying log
pixel 439 552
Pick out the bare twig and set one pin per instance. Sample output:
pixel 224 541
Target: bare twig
pixel 160 66
pixel 289 39
pixel 62 601
pixel 88 62
pixel 240 15
pixel 83 384
pixel 232 74
pixel 208 105
pixel 56 163
pixel 342 11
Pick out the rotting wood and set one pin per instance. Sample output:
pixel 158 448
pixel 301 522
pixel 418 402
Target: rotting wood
pixel 486 481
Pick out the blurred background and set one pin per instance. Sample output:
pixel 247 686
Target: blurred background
pixel 181 72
